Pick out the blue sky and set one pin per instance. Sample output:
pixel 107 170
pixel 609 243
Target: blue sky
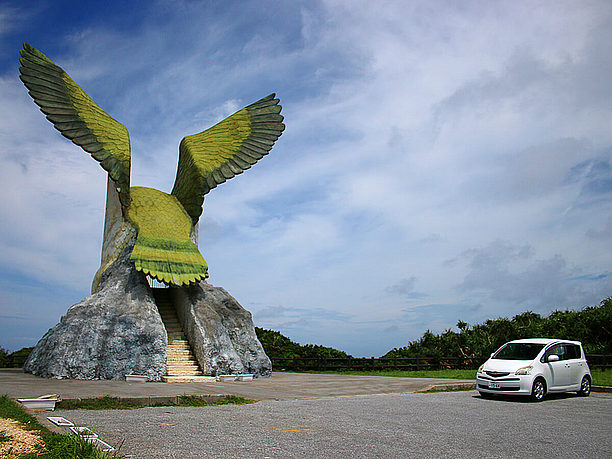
pixel 442 160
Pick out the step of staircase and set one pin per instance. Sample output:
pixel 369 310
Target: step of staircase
pixel 184 365
pixel 174 346
pixel 180 379
pixel 174 361
pixel 184 373
pixel 181 364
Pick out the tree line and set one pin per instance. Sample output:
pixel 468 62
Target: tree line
pixel 592 326
pixel 278 345
pixel 14 359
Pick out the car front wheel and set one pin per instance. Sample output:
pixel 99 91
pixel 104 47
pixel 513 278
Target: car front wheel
pixel 538 390
pixel 585 387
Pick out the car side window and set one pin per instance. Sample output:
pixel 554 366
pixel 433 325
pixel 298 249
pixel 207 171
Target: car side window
pixel 573 351
pixel 559 350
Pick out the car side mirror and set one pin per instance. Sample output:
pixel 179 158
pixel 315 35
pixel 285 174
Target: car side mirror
pixel 553 358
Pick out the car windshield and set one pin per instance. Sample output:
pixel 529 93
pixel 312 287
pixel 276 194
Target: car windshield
pixel 518 351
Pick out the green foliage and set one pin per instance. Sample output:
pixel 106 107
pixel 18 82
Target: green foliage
pixel 3 358
pixel 592 326
pixel 195 400
pixel 15 359
pixel 601 376
pixel 277 345
pixel 57 446
pixel 11 410
pixel 446 374
pixel 450 388
pixel 109 402
pixel 18 358
pixel 70 447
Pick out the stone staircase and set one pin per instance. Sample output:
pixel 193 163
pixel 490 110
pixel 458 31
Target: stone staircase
pixel 181 363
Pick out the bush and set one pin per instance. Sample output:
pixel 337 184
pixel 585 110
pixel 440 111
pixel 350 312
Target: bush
pixel 592 326
pixel 277 345
pixel 4 358
pixel 18 358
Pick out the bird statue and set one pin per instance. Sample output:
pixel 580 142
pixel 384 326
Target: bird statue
pixel 164 225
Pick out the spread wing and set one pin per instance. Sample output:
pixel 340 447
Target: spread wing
pixel 77 117
pixel 227 149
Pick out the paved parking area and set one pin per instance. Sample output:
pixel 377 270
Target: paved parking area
pixel 450 424
pixel 280 386
pixel 307 415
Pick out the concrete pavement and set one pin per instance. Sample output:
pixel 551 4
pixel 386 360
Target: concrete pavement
pixel 440 425
pixel 280 386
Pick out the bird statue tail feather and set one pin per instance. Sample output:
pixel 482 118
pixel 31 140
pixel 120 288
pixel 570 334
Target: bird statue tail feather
pixel 170 262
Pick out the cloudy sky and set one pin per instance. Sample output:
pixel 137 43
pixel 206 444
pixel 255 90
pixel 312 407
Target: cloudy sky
pixel 442 160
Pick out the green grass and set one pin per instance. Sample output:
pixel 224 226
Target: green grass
pixel 194 400
pixel 602 377
pixel 99 403
pixel 450 374
pixel 455 388
pixel 115 403
pixel 11 410
pixel 57 446
pixel 69 447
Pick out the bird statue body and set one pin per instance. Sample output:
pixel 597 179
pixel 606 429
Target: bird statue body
pixel 164 225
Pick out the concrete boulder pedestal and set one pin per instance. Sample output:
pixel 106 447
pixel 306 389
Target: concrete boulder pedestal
pixel 220 331
pixel 118 331
pixel 114 332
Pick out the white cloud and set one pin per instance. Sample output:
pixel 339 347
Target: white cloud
pixel 415 132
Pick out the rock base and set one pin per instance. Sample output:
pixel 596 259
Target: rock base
pixel 220 331
pixel 118 331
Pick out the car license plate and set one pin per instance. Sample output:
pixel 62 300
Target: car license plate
pixel 494 385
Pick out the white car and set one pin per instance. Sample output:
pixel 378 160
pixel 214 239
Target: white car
pixel 535 367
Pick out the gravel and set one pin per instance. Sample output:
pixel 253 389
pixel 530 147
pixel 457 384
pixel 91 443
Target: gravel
pixel 451 424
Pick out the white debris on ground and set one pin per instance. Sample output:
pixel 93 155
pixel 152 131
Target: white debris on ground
pixel 21 441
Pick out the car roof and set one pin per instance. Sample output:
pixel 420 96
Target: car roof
pixel 543 341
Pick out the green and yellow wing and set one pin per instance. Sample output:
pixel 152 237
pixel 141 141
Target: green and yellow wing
pixel 227 149
pixel 77 117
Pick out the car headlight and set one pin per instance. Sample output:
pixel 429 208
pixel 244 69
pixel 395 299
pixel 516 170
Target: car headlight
pixel 480 368
pixel 524 371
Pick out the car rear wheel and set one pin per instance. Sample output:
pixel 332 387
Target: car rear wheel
pixel 585 387
pixel 538 390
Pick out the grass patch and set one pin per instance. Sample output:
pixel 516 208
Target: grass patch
pixel 602 376
pixel 453 388
pixel 115 403
pixel 4 437
pixel 194 400
pixel 450 374
pixel 11 410
pixel 99 403
pixel 57 446
pixel 70 447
